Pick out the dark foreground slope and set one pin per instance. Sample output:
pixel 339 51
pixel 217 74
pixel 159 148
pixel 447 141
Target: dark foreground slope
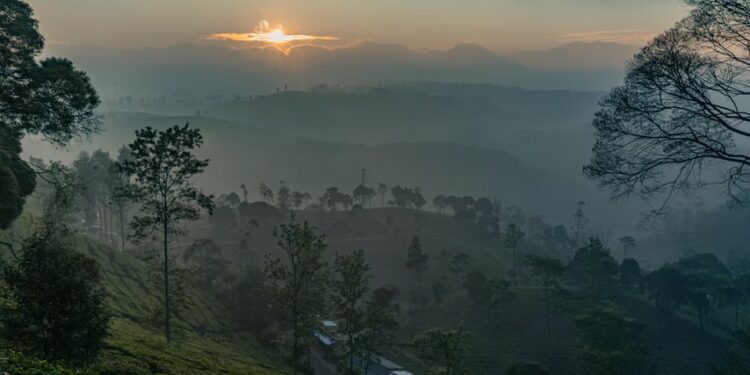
pixel 205 339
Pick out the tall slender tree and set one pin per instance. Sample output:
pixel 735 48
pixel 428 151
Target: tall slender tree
pixel 298 280
pixel 350 286
pixel 162 167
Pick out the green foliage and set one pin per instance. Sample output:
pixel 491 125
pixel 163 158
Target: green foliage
pixel 405 197
pixel 350 285
pixel 298 280
pixel 15 363
pixel 416 258
pixel 737 360
pixel 513 236
pixel 630 273
pixel 487 293
pixel 47 97
pixel 17 179
pixel 205 259
pixel 594 270
pixel 612 343
pixel 162 165
pixel 380 321
pixel 443 348
pixel 527 369
pixel 56 306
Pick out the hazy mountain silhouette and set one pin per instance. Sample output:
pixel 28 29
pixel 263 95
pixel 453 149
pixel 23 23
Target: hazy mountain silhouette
pixel 218 69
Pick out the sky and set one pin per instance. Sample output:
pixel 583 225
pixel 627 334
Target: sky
pixel 500 25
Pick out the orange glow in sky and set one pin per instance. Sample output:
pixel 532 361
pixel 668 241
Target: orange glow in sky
pixel 265 34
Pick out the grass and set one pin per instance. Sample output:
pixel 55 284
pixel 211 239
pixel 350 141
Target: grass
pixel 205 341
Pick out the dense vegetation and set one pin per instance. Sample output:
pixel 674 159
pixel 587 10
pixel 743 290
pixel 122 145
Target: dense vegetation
pixel 125 265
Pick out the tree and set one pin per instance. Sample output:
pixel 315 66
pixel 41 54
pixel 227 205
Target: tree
pixel 487 293
pixel 62 320
pixel 416 259
pixel 486 217
pixel 513 236
pixel 630 273
pixel 681 109
pixel 298 280
pixel 594 269
pixel 548 272
pixel 627 243
pixel 579 222
pixel 283 197
pixel 404 197
pixel 232 200
pixel 243 187
pixel 350 286
pixel 205 259
pixel 382 191
pixel 332 199
pixel 163 166
pixel 737 360
pixel 121 181
pixel 443 347
pixel 46 97
pixel 299 199
pixel 266 193
pixel 380 321
pixel 708 282
pixel 667 287
pixel 363 195
pixel 440 202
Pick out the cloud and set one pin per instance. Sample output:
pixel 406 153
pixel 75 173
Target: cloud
pixel 264 33
pixel 625 36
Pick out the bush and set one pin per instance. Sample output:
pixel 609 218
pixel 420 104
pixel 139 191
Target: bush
pixel 56 306
pixel 12 362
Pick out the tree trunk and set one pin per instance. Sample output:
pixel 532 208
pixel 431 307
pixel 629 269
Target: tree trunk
pixel 122 226
pixel 166 281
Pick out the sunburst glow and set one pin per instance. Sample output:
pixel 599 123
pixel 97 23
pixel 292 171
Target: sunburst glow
pixel 264 33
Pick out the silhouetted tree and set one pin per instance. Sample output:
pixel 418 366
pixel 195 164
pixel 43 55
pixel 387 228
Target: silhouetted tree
pixel 284 197
pixel 298 280
pixel 681 109
pixel 548 272
pixel 380 322
pixel 445 348
pixel 382 191
pixel 58 307
pixel 513 236
pixel 630 273
pixel 351 283
pixel 265 193
pixel 205 259
pixel 627 243
pixel 579 222
pixel 416 258
pixel 594 269
pixel 162 167
pixel 363 195
pixel 38 96
pixel 440 202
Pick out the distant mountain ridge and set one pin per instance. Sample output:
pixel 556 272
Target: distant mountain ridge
pixel 218 69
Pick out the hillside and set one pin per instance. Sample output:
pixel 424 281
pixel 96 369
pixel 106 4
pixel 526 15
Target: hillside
pixel 205 339
pixel 515 331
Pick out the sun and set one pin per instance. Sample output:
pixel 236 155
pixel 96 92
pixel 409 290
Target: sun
pixel 276 35
pixel 264 33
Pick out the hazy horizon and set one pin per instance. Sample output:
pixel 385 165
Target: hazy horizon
pixel 501 26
